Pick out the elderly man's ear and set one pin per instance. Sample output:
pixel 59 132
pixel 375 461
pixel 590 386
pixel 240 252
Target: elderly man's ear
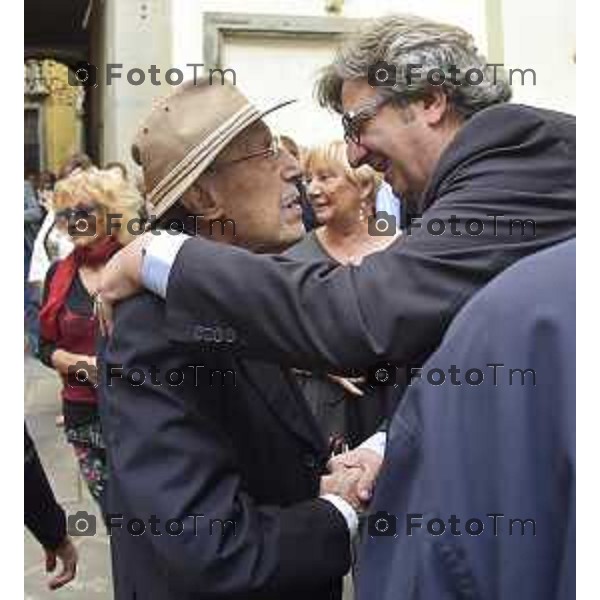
pixel 201 199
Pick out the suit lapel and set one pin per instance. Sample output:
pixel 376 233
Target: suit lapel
pixel 278 389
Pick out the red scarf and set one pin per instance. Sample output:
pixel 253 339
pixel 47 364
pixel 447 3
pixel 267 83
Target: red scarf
pixel 94 255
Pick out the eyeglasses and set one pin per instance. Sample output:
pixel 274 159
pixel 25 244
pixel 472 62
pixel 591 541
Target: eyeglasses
pixel 273 150
pixel 354 120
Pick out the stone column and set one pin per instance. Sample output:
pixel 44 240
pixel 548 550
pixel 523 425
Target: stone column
pixel 136 35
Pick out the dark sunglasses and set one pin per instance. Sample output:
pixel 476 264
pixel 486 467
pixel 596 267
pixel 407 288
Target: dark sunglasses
pixel 353 121
pixel 81 211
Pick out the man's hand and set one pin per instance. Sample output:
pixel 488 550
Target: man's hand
pixel 366 462
pixel 92 373
pixel 121 278
pixel 343 483
pixel 67 554
pixel 348 383
pixel 122 275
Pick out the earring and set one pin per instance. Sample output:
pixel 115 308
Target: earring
pixel 361 212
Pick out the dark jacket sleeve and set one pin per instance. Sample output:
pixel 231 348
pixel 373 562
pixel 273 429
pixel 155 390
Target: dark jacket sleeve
pixel 397 303
pixel 170 457
pixel 43 515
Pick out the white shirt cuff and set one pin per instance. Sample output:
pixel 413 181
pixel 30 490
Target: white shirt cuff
pixel 347 511
pixel 376 443
pixel 159 257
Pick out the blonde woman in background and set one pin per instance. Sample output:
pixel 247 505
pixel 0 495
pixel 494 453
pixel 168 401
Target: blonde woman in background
pixel 68 326
pixel 343 200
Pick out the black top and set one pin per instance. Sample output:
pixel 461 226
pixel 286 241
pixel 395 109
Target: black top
pixel 343 417
pixel 309 248
pixel 81 303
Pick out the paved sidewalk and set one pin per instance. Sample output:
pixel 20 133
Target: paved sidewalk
pixel 93 581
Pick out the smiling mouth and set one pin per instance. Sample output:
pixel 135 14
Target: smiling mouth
pixel 380 164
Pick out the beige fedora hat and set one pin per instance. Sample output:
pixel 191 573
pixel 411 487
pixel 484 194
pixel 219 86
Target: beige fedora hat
pixel 184 134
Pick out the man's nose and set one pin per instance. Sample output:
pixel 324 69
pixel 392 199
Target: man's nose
pixel 290 167
pixel 356 153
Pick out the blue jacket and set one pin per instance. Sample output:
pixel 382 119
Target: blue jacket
pixel 483 448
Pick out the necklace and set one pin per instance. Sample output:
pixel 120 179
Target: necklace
pixel 352 251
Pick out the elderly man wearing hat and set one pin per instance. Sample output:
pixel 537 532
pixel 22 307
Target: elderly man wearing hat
pixel 216 484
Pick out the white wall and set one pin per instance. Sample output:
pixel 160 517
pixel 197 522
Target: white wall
pixel 135 38
pixel 269 69
pixel 273 69
pixel 540 34
pixel 188 16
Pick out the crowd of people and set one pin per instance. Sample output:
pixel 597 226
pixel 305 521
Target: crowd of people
pixel 329 318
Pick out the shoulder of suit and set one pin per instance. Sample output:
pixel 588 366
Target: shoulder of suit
pixel 145 312
pixel 505 117
pixel 535 290
pixel 504 130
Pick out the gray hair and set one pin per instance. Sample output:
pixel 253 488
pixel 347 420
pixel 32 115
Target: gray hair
pixel 404 40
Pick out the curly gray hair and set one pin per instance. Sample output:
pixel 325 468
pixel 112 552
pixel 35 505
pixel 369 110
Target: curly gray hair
pixel 404 40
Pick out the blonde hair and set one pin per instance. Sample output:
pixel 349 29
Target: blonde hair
pixel 108 189
pixel 334 154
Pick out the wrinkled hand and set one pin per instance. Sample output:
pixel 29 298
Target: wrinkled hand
pixel 349 383
pixel 121 278
pixel 367 462
pixel 122 275
pixel 67 554
pixel 92 372
pixel 343 483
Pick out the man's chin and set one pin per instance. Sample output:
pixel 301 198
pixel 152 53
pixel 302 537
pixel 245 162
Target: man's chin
pixel 409 199
pixel 290 234
pixel 285 237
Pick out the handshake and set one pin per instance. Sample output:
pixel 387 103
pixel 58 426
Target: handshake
pixel 352 476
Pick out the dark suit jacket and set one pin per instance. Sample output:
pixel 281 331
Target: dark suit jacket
pixel 510 160
pixel 250 453
pixel 474 450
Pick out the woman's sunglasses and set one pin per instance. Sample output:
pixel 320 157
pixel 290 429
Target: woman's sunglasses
pixel 81 211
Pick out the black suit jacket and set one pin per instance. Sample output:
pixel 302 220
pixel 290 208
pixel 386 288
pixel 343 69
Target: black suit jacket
pixel 512 161
pixel 248 453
